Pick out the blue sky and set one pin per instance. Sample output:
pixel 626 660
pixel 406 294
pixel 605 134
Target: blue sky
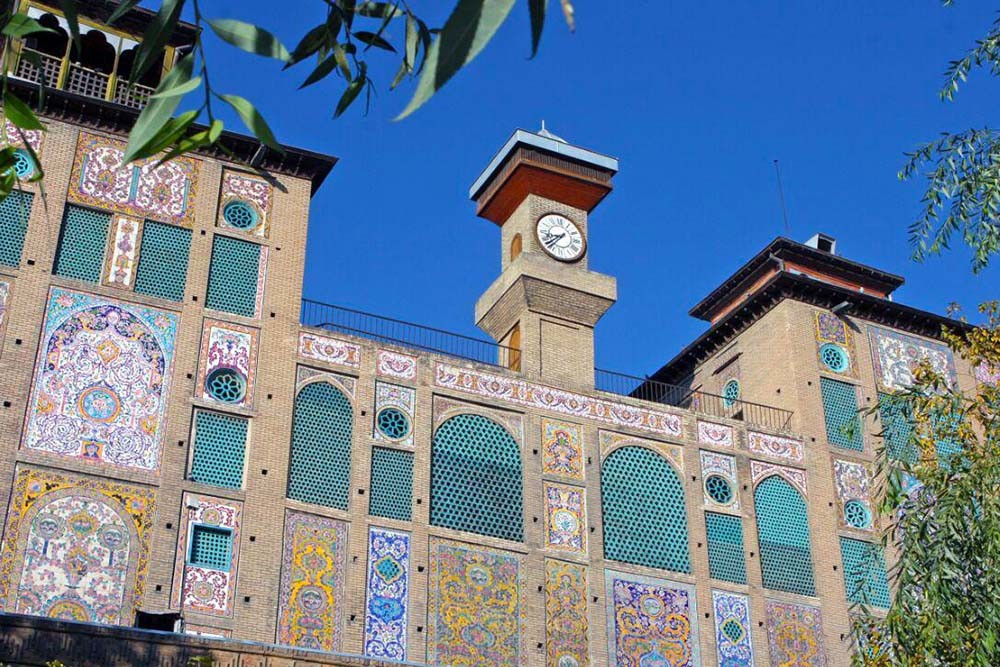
pixel 695 99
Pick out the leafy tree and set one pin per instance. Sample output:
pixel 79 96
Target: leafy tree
pixel 346 33
pixel 940 489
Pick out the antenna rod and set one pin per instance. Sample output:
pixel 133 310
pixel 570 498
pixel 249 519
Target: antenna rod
pixel 781 197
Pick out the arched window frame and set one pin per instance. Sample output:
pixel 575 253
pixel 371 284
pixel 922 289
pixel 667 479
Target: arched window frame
pixel 806 587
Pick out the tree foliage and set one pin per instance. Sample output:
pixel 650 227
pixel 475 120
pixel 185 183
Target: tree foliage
pixel 940 490
pixel 339 47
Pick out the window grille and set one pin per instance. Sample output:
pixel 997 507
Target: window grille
pixel 14 213
pixel 856 515
pixel 834 358
pixel 719 489
pixel 391 484
pixel 226 385
pixel 24 164
pixel 840 409
pixel 320 467
pixel 163 261
pixel 731 393
pixel 219 449
pixel 726 559
pixel 865 577
pixel 897 427
pixel 392 423
pixel 642 501
pixel 783 533
pixel 240 215
pixel 211 547
pixel 476 478
pixel 232 276
pixel 81 245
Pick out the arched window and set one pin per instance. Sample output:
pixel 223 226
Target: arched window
pixel 320 467
pixel 642 501
pixel 783 532
pixel 476 478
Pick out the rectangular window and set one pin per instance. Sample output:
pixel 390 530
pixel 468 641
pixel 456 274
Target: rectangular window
pixel 726 559
pixel 232 276
pixel 163 261
pixel 81 245
pixel 392 483
pixel 219 449
pixel 14 213
pixel 865 578
pixel 840 409
pixel 211 547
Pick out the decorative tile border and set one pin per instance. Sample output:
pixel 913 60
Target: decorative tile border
pixel 541 397
pixel 797 478
pixel 647 615
pixel 329 350
pixel 5 290
pixel 565 518
pixel 610 441
pixel 396 365
pixel 562 449
pixel 445 408
pixel 232 346
pixel 119 269
pixel 795 635
pixel 566 624
pixel 776 446
pixel 203 589
pixel 733 632
pixel 716 434
pixel 34 137
pixel 305 375
pixel 387 594
pixel 713 463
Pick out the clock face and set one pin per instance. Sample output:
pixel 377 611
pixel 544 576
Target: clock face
pixel 560 237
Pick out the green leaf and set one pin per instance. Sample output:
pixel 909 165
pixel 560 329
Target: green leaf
pixel 169 134
pixel 19 113
pixel 158 111
pixel 20 25
pixel 379 10
pixel 371 39
pixel 341 58
pixel 250 38
pixel 155 38
pixel 121 10
pixel 310 44
pixel 470 27
pixel 350 94
pixel 254 121
pixel 69 11
pixel 412 40
pixel 179 90
pixel 538 8
pixel 324 68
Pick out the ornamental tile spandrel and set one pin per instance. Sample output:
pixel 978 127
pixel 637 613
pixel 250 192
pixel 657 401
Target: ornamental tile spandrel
pixel 531 395
pixel 396 365
pixel 329 350
pixel 776 446
pixel 760 471
pixel 719 435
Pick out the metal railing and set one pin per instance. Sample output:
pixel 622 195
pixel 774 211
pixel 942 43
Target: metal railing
pixel 80 80
pixel 389 330
pixel 761 416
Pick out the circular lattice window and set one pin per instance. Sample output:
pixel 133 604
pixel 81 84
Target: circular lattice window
pixel 857 515
pixel 24 164
pixel 834 357
pixel 226 385
pixel 240 215
pixel 731 393
pixel 392 423
pixel 719 489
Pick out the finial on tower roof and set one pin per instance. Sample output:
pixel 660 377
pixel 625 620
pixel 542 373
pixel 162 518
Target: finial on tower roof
pixel 548 135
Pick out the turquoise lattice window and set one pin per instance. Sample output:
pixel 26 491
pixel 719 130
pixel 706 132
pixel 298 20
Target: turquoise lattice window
pixel 211 547
pixel 783 533
pixel 232 276
pixel 865 578
pixel 81 245
pixel 840 409
pixel 240 215
pixel 219 449
pixel 731 393
pixel 392 423
pixel 24 164
pixel 392 484
pixel 897 427
pixel 642 502
pixel 476 478
pixel 14 213
pixel 856 515
pixel 320 467
pixel 163 261
pixel 226 385
pixel 719 489
pixel 726 559
pixel 835 358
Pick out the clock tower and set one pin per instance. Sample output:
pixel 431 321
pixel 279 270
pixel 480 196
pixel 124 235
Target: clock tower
pixel 540 190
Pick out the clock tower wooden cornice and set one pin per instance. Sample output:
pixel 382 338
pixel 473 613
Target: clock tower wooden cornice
pixel 546 301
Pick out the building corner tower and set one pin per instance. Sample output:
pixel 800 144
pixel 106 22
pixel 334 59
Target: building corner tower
pixel 545 303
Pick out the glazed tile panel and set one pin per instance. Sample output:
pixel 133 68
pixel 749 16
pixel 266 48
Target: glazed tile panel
pixel 230 347
pixel 311 597
pixel 207 590
pixel 101 380
pixel 388 589
pixel 896 355
pixel 566 626
pixel 329 350
pixel 101 179
pixel 794 635
pixel 562 450
pixel 732 629
pixel 75 548
pixel 253 192
pixel 476 613
pixel 565 518
pixel 651 622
